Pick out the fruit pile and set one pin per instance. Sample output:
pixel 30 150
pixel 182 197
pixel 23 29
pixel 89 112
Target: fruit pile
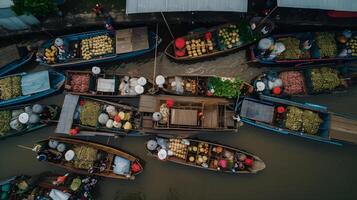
pixel 199 47
pixel 229 36
pixel 96 46
pixel 178 148
pixel 352 46
pixel 327 44
pixel 51 54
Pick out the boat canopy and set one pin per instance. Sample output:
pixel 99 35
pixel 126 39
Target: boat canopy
pixel 131 39
pixel 144 6
pixel 67 113
pixel 341 5
pixel 257 111
pixel 35 82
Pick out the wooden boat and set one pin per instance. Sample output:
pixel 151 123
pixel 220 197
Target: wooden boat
pixel 215 44
pixel 82 113
pixel 43 116
pixel 308 80
pixel 205 155
pixel 46 184
pixel 186 116
pixel 97 47
pixel 304 120
pixel 24 87
pixel 89 158
pixel 11 58
pixel 104 85
pixel 320 47
pixel 189 85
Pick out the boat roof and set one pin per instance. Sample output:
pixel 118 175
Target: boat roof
pixel 35 82
pixel 257 111
pixel 65 121
pixel 9 54
pixel 144 6
pixel 132 39
pixel 341 5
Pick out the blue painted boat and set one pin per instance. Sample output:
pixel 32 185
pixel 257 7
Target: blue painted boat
pixel 274 55
pixel 25 87
pixel 11 59
pixel 263 113
pixel 304 81
pixel 117 45
pixel 10 126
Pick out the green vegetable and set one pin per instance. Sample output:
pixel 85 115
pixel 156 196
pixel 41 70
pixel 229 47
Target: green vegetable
pixel 292 48
pixel 327 44
pixel 5 118
pixel 302 120
pixel 10 87
pixel 89 113
pixel 324 79
pixel 226 88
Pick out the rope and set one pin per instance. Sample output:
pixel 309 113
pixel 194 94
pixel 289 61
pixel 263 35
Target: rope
pixel 156 40
pixel 168 27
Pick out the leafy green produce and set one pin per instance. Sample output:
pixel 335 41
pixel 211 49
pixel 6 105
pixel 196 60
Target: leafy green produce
pixel 226 87
pixel 89 113
pixel 5 118
pixel 302 120
pixel 324 79
pixel 10 87
pixel 292 48
pixel 327 44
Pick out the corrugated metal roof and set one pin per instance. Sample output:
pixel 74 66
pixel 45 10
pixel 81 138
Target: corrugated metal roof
pixel 342 5
pixel 148 6
pixel 6 3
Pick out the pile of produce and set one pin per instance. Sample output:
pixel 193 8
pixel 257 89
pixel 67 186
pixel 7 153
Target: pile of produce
pixel 352 46
pixel 89 113
pixel 10 87
pixel 51 54
pixel 202 157
pixel 302 120
pixel 85 157
pixel 178 148
pixel 229 36
pixel 224 87
pixel 5 118
pixel 292 50
pixel 327 44
pixel 324 79
pixel 198 47
pixel 96 46
pixel 80 82
pixel 293 82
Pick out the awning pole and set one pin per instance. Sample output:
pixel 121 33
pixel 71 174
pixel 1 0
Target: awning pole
pixel 156 40
pixel 168 27
pixel 271 12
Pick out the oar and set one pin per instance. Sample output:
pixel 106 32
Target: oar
pixel 25 147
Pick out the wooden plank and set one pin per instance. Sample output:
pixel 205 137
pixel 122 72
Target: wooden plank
pixel 343 128
pixel 8 54
pixel 148 103
pixel 67 113
pixel 184 117
pixel 133 39
pixel 210 114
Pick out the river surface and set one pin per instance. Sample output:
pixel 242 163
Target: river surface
pixel 296 168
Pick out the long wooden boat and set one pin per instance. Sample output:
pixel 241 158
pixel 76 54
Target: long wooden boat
pixel 307 80
pixel 308 47
pixel 160 114
pixel 104 85
pixel 205 155
pixel 216 41
pixel 11 58
pixel 24 87
pixel 47 184
pixel 205 86
pixel 88 158
pixel 97 47
pixel 310 121
pixel 41 116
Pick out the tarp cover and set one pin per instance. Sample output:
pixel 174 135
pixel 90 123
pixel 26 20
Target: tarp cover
pixel 342 5
pixel 257 111
pixel 121 166
pixel 145 6
pixel 35 82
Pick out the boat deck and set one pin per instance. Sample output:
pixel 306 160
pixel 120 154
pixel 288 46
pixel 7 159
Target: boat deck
pixel 343 128
pixel 9 54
